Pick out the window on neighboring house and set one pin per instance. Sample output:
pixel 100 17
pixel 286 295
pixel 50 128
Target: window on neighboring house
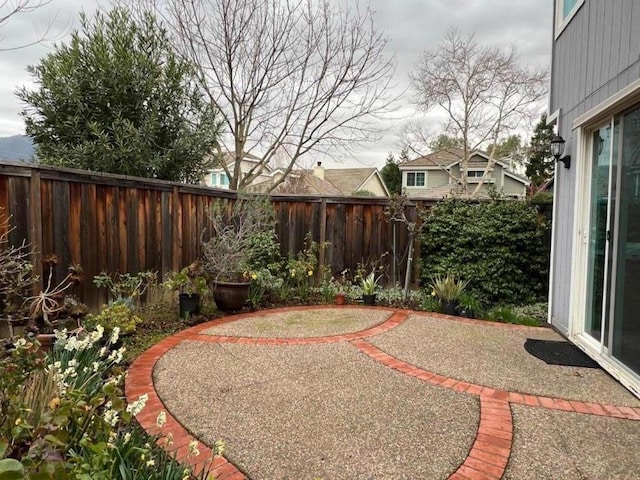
pixel 565 11
pixel 475 173
pixel 415 179
pixel 219 180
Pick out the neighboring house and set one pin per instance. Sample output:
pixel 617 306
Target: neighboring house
pixel 217 177
pixel 435 176
pixel 595 103
pixel 328 182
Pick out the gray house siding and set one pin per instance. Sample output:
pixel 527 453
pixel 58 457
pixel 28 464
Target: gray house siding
pixel 596 55
pixel 437 178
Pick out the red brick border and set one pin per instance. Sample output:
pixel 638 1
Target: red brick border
pixel 487 459
pixel 139 381
pixel 490 452
pixel 552 403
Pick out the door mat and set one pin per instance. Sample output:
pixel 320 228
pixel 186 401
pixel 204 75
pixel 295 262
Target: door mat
pixel 559 353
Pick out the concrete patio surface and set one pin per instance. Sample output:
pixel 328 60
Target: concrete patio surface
pixel 385 395
pixel 493 356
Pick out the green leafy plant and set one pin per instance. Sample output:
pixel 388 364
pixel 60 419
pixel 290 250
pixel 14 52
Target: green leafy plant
pixel 67 418
pixel 470 305
pixel 501 246
pixel 430 303
pixel 448 288
pixel 536 311
pixel 507 314
pixel 126 287
pixel 303 267
pixel 116 315
pixel 369 284
pixel 189 280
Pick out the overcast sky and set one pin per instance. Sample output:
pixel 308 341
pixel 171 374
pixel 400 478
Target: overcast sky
pixel 411 26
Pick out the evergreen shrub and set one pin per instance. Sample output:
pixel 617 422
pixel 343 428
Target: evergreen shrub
pixel 498 246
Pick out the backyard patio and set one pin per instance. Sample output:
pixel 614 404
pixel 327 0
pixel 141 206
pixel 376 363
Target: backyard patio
pixel 362 393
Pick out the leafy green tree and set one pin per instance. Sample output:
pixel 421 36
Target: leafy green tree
pixel 392 175
pixel 445 142
pixel 117 99
pixel 540 167
pixel 511 147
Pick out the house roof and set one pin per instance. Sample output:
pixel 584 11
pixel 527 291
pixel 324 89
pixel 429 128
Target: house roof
pixel 336 182
pixel 441 158
pixel 348 180
pixel 307 183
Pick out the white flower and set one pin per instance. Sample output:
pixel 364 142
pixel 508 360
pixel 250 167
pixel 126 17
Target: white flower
pixel 115 334
pixel 111 417
pixel 21 342
pixel 136 407
pixel 186 474
pixel 97 334
pixel 60 334
pixel 193 448
pixel 103 351
pixel 162 419
pixel 73 362
pixel 96 366
pixel 151 463
pixel 127 437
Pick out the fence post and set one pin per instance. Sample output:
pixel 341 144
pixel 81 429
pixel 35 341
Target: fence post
pixel 35 214
pixel 323 232
pixel 176 230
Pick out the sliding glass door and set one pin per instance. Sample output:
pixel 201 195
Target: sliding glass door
pixel 625 344
pixel 612 316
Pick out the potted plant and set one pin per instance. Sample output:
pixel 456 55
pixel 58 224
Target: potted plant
pixel 448 291
pixel 191 284
pixel 369 285
pixel 227 254
pixel 54 309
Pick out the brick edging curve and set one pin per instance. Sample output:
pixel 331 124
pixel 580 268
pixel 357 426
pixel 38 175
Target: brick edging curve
pixel 487 458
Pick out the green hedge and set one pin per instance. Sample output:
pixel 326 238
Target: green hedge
pixel 499 246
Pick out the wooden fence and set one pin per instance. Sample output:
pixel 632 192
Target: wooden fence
pixel 123 224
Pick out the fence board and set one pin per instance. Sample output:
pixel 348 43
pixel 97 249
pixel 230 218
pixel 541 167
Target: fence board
pixel 122 224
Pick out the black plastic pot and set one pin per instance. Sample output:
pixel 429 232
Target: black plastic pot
pixel 189 304
pixel 369 299
pixel 450 307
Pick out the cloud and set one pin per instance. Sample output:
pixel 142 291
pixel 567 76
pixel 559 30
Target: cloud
pixel 411 26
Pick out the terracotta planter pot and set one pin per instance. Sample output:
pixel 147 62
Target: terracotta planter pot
pixel 230 296
pixel 341 299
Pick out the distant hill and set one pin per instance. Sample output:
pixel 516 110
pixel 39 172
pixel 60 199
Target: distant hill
pixel 16 147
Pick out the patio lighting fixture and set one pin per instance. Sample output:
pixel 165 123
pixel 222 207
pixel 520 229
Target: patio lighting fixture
pixel 557 147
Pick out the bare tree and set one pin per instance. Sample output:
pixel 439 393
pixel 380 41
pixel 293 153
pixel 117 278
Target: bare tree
pixel 484 91
pixel 289 76
pixel 13 8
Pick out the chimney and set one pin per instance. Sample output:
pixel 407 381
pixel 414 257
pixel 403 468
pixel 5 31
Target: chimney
pixel 318 171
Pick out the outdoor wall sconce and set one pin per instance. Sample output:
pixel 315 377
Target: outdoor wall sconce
pixel 557 147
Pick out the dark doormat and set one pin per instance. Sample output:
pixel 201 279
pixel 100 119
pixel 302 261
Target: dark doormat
pixel 559 353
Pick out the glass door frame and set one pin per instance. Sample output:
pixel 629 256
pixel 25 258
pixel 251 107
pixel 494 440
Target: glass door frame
pixel 582 228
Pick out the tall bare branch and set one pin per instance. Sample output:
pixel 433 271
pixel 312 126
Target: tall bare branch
pixel 12 8
pixel 293 76
pixel 484 91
